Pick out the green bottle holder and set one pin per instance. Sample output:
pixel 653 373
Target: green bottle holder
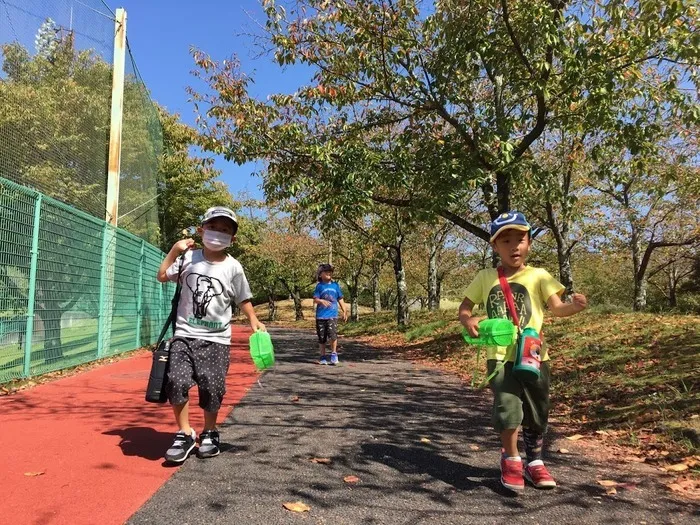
pixel 493 332
pixel 261 350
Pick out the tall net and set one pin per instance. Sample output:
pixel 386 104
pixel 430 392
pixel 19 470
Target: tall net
pixel 72 288
pixel 55 107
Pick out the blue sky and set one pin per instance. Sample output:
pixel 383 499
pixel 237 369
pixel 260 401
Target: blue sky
pixel 160 34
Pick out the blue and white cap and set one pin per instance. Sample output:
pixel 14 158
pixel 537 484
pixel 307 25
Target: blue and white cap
pixel 513 220
pixel 220 211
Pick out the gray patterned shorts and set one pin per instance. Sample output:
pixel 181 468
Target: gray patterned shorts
pixel 326 330
pixel 198 362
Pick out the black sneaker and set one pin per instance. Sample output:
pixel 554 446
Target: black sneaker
pixel 181 447
pixel 208 444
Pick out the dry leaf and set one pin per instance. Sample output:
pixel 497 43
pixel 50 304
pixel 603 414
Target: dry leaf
pixel 351 479
pixel 607 482
pixel 474 447
pixel 424 440
pixel 678 467
pixel 323 461
pixel 33 474
pixel 575 437
pixel 297 506
pixel 294 399
pixel 610 491
pixel 563 451
pixel 675 487
pixel 601 432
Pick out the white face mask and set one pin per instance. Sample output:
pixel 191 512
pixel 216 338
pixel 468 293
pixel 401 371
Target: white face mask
pixel 216 241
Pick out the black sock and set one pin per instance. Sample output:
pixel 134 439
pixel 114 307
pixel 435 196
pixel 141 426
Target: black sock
pixel 533 444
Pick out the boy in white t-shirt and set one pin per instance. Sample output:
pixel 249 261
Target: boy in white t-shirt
pixel 211 282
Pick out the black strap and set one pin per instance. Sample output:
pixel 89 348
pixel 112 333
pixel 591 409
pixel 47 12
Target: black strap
pixel 172 318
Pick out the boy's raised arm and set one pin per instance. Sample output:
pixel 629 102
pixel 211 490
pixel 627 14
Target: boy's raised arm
pixel 175 251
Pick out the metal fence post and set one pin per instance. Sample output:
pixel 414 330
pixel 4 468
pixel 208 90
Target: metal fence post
pixel 31 295
pixel 139 299
pixel 103 293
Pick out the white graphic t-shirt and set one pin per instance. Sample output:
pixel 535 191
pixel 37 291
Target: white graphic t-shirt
pixel 208 290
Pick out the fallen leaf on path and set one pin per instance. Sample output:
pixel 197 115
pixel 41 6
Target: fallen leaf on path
pixel 607 482
pixel 474 447
pixel 678 467
pixel 351 479
pixel 575 437
pixel 563 451
pixel 322 461
pixel 610 491
pixel 424 440
pixel 297 506
pixel 675 487
pixel 294 399
pixel 33 474
pixel 602 433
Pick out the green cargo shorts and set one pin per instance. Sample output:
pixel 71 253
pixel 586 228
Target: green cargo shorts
pixel 516 403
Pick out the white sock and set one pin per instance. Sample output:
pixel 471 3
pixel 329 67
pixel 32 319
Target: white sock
pixel 514 458
pixel 536 463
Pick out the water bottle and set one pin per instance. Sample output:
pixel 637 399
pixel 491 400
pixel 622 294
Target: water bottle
pixel 526 366
pixel 261 350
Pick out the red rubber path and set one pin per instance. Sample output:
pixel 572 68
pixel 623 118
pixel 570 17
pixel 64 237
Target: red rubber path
pixel 97 443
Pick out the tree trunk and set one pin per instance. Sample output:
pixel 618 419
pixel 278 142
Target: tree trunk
pixel 298 312
pixel 53 350
pixel 566 276
pixel 640 284
pixel 401 287
pixel 295 294
pixel 376 293
pixel 672 288
pixel 271 307
pixel 433 303
pixel 439 292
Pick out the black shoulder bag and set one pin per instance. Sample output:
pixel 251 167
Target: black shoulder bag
pixel 158 378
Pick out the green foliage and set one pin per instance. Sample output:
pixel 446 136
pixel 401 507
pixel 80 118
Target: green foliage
pixel 187 183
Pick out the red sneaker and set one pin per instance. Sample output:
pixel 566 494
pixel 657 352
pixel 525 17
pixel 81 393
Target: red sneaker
pixel 512 474
pixel 539 476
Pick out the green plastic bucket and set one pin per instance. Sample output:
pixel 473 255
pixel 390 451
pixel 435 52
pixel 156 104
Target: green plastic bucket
pixel 493 332
pixel 261 350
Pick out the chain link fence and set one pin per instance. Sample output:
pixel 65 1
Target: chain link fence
pixel 55 92
pixel 59 304
pixel 72 287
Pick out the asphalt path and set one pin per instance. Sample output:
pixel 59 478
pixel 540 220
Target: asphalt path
pixel 418 440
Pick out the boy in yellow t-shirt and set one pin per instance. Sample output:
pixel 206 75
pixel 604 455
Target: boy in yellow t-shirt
pixel 516 402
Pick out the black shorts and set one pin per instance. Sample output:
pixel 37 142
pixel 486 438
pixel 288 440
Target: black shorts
pixel 326 330
pixel 202 363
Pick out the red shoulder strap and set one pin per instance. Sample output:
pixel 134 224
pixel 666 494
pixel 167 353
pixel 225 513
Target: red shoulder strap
pixel 508 294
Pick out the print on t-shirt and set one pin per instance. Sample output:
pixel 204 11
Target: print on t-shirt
pixel 496 303
pixel 204 288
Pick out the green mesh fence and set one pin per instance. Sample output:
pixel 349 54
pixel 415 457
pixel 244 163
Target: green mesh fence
pixel 55 107
pixel 72 288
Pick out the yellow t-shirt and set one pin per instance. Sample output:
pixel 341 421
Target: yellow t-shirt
pixel 531 288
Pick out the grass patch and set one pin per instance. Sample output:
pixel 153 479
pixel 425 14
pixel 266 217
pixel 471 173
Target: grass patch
pixel 425 330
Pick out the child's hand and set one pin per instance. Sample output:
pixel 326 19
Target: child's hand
pixel 345 316
pixel 579 300
pixel 472 326
pixel 323 302
pixel 181 246
pixel 256 325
